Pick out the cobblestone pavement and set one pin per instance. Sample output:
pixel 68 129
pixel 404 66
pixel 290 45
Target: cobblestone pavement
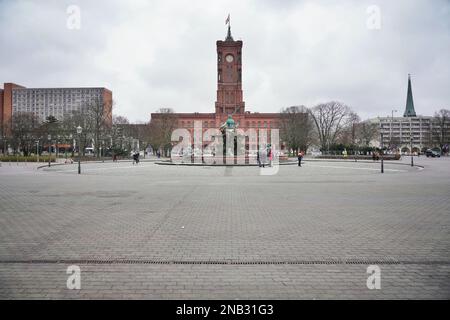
pixel 152 231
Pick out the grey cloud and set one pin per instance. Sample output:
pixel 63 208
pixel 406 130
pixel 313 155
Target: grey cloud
pixel 162 53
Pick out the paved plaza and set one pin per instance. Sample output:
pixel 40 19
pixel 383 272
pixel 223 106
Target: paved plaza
pixel 152 231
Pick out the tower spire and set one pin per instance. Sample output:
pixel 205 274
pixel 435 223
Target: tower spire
pixel 409 110
pixel 229 36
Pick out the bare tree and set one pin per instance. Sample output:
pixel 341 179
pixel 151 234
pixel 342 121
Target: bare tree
pixel 161 128
pixel 75 119
pixel 118 132
pixel 118 120
pixel 348 136
pixel 366 132
pixel 441 128
pixel 24 131
pixel 296 128
pixel 5 135
pixel 50 128
pixel 123 133
pixel 330 119
pixel 98 121
pixel 142 133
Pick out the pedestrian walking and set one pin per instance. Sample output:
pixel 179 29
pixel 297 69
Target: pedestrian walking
pixel 136 158
pixel 263 157
pixel 270 157
pixel 300 157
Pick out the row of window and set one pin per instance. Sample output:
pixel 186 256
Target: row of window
pixel 57 91
pixel 253 124
pixel 54 105
pixel 54 97
pixel 41 108
pixel 28 97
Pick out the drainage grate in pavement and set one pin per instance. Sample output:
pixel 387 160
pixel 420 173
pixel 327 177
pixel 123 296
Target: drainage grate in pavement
pixel 231 262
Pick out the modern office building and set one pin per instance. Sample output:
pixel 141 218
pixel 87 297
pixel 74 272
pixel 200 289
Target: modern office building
pixel 403 132
pixel 411 131
pixel 45 102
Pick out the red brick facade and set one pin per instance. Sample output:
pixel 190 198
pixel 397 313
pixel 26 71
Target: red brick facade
pixel 229 96
pixel 6 107
pixel 1 112
pixel 108 103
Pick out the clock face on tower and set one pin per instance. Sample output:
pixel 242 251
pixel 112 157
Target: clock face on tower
pixel 229 80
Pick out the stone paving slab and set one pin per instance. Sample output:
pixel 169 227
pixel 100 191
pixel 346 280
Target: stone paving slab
pixel 21 281
pixel 322 211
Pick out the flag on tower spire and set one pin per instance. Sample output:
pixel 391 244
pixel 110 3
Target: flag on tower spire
pixel 229 36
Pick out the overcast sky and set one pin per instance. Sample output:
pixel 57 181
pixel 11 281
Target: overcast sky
pixel 154 54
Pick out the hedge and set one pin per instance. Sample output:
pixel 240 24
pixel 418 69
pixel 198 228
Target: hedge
pixel 25 159
pixel 358 157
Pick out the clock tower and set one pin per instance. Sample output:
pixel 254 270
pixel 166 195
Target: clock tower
pixel 230 114
pixel 229 76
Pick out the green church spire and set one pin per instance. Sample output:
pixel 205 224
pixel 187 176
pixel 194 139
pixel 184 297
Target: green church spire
pixel 409 111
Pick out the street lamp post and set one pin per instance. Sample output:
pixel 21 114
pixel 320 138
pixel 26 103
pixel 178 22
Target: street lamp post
pixel 37 150
pixel 73 145
pixel 4 144
pixel 381 154
pixel 392 123
pixel 49 137
pixel 79 130
pixel 56 147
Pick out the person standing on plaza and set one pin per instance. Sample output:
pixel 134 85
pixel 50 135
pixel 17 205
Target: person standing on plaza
pixel 263 157
pixel 300 157
pixel 270 156
pixel 258 159
pixel 136 158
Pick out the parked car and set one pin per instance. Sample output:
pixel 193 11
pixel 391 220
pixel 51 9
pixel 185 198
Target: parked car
pixel 432 153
